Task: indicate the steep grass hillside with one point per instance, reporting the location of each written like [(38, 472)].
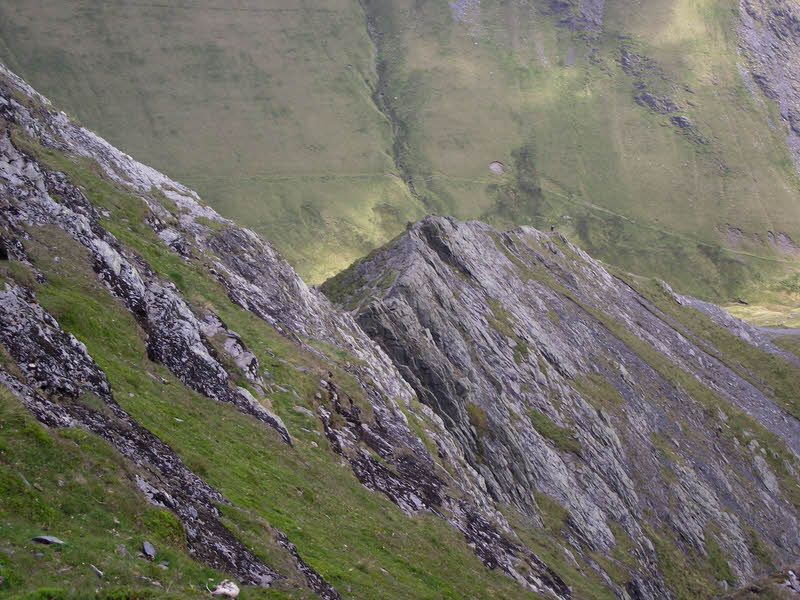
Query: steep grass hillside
[(88, 484), (640, 131), (264, 107), (506, 419), (632, 131)]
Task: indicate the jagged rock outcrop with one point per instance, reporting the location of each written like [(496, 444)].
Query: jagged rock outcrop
[(174, 333), (553, 393), (414, 485), (56, 370), (191, 341), (558, 377)]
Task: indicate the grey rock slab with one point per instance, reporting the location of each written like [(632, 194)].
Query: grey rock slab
[(47, 539), (148, 550), (492, 327)]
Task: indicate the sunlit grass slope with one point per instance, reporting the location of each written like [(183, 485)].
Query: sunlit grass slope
[(556, 106), (289, 118), (264, 107)]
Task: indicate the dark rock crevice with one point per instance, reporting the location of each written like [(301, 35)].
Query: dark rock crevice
[(413, 486)]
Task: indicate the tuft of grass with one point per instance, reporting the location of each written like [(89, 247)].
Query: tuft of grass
[(548, 543), (720, 567), (502, 322), (680, 570), (665, 449), (478, 419), (16, 272), (598, 390), (758, 549), (560, 436)]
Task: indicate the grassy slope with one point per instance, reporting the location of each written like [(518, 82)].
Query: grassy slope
[(359, 541), (486, 89), (83, 496), (264, 108), (256, 107)]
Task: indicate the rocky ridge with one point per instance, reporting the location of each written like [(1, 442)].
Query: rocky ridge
[(198, 348), (558, 377), (548, 385)]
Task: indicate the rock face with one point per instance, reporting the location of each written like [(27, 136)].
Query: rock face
[(199, 348), (559, 378), (555, 396), (583, 15), (769, 34)]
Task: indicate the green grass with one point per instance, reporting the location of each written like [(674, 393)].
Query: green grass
[(689, 574), (358, 540), (310, 161), (79, 489), (790, 343), (718, 561), (478, 419), (682, 571), (599, 391), (560, 436), (547, 542)]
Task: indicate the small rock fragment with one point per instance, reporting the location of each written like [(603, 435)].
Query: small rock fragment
[(303, 411), (226, 588), (148, 550), (163, 565), (151, 581), (97, 571), (47, 539)]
